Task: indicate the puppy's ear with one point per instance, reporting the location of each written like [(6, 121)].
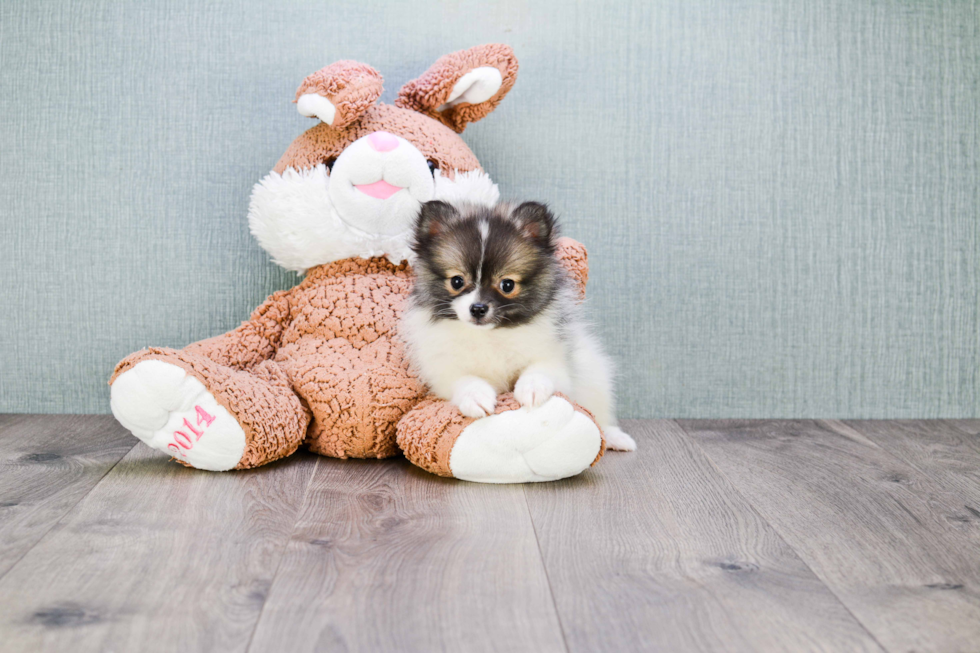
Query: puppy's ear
[(462, 87), (537, 223), (433, 219), (340, 93)]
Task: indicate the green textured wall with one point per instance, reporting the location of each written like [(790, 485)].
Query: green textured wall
[(781, 199)]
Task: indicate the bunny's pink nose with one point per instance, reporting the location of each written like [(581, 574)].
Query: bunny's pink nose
[(383, 141)]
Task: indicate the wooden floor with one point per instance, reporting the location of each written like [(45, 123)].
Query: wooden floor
[(714, 536)]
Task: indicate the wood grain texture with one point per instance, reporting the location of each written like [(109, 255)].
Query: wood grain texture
[(946, 452), (156, 557), (47, 464), (968, 426), (901, 552), (388, 558), (656, 551), (723, 536)]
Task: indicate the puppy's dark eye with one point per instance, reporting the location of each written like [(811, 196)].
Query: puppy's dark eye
[(433, 166), (457, 282), (507, 286), (329, 163)]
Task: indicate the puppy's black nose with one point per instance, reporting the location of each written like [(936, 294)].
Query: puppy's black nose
[(478, 310)]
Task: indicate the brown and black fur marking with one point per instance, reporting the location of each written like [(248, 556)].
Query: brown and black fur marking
[(487, 246)]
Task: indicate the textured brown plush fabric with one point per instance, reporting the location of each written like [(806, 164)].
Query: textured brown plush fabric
[(344, 358), (350, 86), (354, 87), (427, 434), (434, 140), (322, 362), (575, 260), (430, 91), (261, 399), (254, 341)]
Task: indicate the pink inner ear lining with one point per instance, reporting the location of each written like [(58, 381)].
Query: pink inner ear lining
[(430, 91), (351, 86)]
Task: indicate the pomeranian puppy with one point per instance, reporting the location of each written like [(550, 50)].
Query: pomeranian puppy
[(492, 311)]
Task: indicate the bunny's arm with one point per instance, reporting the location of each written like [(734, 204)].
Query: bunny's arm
[(254, 341), (575, 259)]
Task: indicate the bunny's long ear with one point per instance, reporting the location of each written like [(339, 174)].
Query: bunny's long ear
[(462, 87), (340, 93)]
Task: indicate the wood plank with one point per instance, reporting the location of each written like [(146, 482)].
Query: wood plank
[(656, 551), (156, 557), (943, 451), (968, 426), (8, 419), (47, 464), (389, 558), (889, 541)]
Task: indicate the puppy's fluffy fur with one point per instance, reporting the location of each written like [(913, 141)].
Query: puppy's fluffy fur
[(493, 311)]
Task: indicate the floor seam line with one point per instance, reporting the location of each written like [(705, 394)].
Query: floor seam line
[(947, 495), (779, 534), (544, 567), (285, 545), (67, 512)]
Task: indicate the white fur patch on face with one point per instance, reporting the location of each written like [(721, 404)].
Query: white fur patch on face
[(461, 306), (361, 166), (294, 218)]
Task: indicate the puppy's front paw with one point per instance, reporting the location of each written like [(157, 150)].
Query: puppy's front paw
[(474, 397), (533, 389)]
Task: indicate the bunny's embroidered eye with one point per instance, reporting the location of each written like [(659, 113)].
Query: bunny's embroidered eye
[(457, 282), (433, 166)]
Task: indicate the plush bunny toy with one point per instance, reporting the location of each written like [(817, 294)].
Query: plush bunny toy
[(321, 363)]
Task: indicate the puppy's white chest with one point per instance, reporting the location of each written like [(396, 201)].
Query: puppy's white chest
[(452, 350)]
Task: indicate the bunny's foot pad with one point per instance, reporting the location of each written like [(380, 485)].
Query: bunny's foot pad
[(173, 412), (514, 445)]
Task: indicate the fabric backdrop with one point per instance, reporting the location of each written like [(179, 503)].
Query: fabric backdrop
[(780, 199)]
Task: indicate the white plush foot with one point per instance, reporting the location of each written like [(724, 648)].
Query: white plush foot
[(533, 389), (173, 412), (474, 397), (519, 446), (617, 439)]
